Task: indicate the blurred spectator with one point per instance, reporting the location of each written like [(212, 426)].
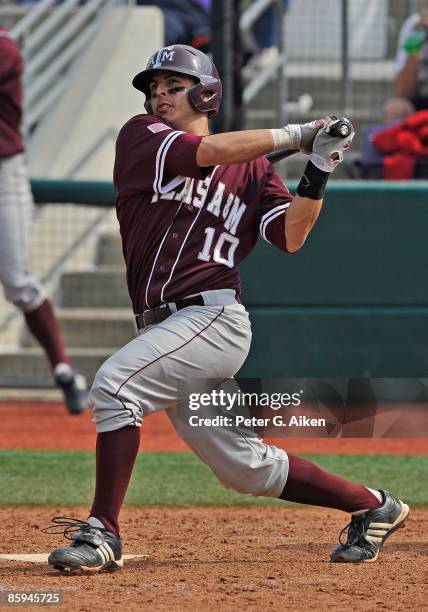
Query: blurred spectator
[(16, 209), (411, 64), (395, 111), (187, 22), (265, 38), (405, 148)]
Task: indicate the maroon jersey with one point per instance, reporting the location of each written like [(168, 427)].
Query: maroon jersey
[(10, 96), (185, 228)]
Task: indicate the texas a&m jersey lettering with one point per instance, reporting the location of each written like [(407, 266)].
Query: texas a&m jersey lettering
[(225, 206), (229, 207), (185, 228)]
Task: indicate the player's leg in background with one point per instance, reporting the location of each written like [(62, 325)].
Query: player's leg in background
[(20, 286)]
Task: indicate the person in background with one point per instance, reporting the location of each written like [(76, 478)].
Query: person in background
[(411, 63), (395, 111), (16, 210), (187, 22), (264, 33)]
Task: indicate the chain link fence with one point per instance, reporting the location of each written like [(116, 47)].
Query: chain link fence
[(339, 58)]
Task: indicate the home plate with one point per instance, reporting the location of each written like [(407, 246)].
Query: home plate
[(43, 557)]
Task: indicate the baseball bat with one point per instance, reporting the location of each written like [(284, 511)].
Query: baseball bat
[(341, 129)]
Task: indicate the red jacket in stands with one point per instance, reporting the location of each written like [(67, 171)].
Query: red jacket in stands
[(403, 145)]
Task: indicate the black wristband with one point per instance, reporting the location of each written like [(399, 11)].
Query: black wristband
[(313, 182)]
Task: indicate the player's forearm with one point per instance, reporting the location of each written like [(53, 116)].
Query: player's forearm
[(234, 147), (299, 220), (305, 207), (406, 80)]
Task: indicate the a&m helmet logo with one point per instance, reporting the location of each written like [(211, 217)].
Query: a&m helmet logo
[(166, 54)]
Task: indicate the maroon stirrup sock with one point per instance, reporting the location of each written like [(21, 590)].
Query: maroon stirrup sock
[(44, 326), (309, 484), (115, 457)]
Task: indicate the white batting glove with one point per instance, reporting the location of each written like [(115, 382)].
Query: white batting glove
[(308, 134), (327, 149), (298, 136)]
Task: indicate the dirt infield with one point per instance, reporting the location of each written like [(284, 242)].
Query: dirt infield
[(234, 559), (39, 425), (218, 559)]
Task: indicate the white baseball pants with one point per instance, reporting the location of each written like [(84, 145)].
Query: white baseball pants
[(16, 212), (197, 342)]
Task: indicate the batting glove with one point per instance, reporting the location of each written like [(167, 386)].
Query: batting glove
[(297, 136), (328, 149), (308, 134)]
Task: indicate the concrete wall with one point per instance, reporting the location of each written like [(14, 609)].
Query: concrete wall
[(78, 137)]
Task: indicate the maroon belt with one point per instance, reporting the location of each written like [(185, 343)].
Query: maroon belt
[(156, 315)]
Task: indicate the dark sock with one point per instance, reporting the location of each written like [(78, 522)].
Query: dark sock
[(44, 326), (115, 457), (309, 484)]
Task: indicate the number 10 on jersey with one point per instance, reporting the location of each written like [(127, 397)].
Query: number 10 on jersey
[(225, 242)]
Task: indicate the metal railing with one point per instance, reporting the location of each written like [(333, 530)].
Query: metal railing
[(52, 39)]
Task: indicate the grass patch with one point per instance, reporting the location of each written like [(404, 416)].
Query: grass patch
[(180, 479)]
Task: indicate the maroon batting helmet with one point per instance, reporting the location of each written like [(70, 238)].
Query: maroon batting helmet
[(204, 96)]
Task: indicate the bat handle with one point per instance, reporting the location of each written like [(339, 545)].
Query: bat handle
[(341, 129)]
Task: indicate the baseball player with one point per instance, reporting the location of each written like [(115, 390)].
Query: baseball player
[(191, 206), (16, 210)]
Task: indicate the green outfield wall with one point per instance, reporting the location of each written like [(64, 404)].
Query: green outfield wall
[(353, 302)]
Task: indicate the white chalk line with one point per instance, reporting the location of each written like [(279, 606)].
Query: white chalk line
[(43, 557)]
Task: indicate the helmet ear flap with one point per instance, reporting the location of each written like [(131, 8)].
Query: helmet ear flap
[(209, 104), (193, 95)]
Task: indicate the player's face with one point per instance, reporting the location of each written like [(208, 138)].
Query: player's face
[(168, 96)]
